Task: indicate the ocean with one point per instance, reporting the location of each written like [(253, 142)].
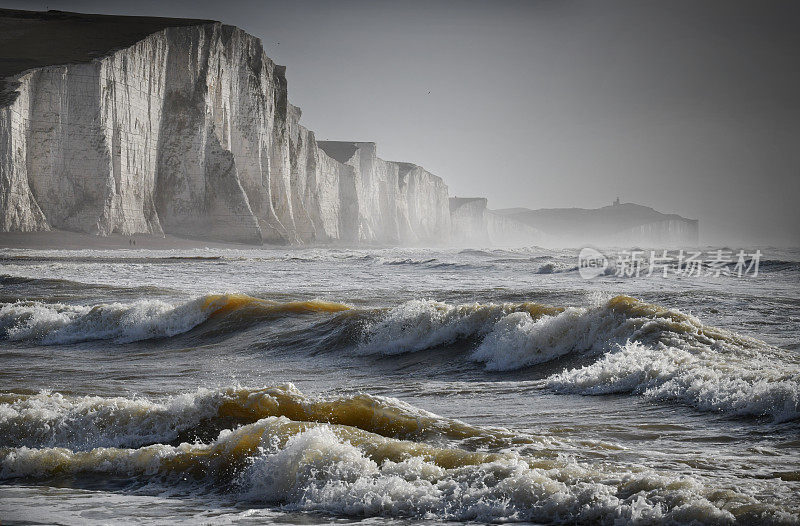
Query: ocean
[(394, 386)]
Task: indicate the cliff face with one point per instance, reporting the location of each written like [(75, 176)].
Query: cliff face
[(468, 216), (474, 224), (667, 232), (389, 202), (189, 131)]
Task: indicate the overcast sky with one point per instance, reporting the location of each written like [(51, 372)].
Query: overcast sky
[(688, 106)]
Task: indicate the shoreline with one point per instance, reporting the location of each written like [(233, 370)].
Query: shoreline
[(60, 239), (65, 240)]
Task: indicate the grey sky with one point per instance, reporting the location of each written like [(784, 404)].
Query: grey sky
[(688, 106)]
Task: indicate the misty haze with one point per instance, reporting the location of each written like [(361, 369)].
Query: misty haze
[(415, 262)]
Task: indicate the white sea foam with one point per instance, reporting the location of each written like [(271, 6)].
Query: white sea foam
[(52, 419), (512, 336), (743, 382), (319, 471), (518, 340), (54, 323), (352, 473)]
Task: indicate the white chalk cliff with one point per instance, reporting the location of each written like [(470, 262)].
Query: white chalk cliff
[(142, 125), (473, 223), (186, 129)]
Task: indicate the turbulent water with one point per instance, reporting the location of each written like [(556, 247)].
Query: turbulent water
[(394, 386)]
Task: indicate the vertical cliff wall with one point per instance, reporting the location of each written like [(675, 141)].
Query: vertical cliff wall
[(389, 202), (189, 131), (469, 224), (669, 232), (474, 224)]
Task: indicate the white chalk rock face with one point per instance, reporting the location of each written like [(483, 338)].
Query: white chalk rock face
[(469, 221), (386, 202), (189, 132), (19, 210), (86, 130), (473, 224)]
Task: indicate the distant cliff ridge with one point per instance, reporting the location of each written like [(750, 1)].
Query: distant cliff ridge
[(141, 125), (617, 224)]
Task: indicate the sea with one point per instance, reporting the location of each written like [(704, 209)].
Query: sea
[(397, 386)]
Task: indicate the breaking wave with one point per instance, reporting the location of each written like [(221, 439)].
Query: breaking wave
[(741, 383), (514, 335), (55, 323), (640, 348), (51, 419), (354, 457)]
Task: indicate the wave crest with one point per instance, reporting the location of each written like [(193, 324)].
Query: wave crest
[(512, 336), (640, 348), (56, 323), (636, 347), (422, 324), (741, 384), (52, 419)]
